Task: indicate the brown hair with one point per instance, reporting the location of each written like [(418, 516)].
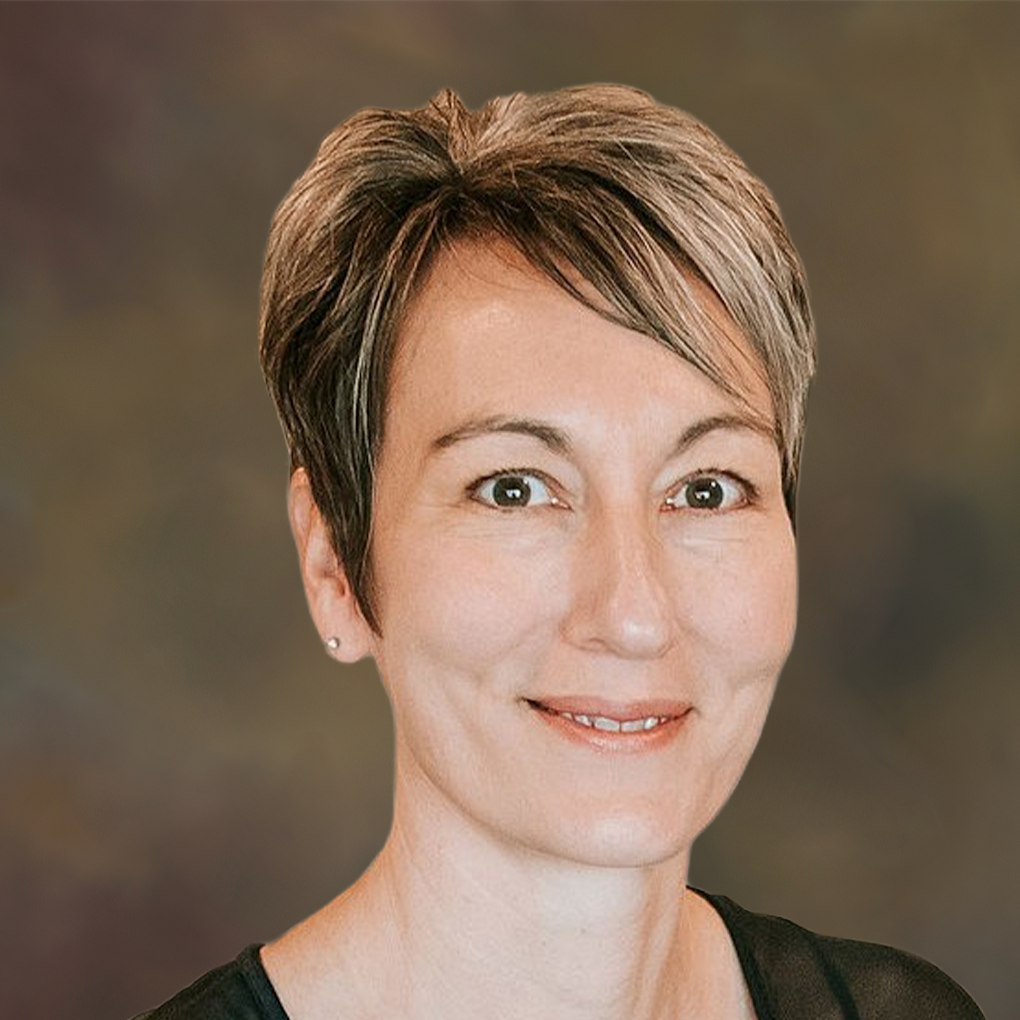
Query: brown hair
[(596, 182)]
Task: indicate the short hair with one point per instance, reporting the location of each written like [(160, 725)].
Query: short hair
[(598, 184)]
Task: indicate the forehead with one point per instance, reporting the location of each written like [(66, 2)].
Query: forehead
[(486, 321)]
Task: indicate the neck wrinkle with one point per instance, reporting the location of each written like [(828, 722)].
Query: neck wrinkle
[(484, 925)]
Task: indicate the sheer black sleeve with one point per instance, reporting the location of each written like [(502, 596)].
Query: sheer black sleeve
[(239, 990), (794, 974)]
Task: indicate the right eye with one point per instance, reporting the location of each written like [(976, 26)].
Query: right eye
[(513, 489)]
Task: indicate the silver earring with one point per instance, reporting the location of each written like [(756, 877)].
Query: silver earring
[(333, 643)]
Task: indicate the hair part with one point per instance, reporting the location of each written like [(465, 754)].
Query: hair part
[(598, 184)]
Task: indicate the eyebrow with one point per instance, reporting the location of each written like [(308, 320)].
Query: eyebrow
[(559, 442)]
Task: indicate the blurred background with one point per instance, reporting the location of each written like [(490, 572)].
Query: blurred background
[(182, 769)]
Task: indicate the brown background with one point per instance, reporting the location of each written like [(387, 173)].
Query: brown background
[(182, 771)]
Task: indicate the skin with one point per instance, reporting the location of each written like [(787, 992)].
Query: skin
[(537, 867)]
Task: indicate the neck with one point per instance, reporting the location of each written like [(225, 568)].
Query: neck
[(571, 940), (453, 921)]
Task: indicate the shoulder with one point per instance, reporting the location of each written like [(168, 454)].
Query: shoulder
[(895, 983), (239, 990), (842, 977)]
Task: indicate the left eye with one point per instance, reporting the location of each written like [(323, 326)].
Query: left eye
[(513, 489), (708, 492)]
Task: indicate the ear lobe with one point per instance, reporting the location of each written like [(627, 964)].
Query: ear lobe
[(331, 600)]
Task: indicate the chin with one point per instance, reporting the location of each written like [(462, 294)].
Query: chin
[(626, 840)]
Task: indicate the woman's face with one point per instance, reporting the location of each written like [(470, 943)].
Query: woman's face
[(585, 571)]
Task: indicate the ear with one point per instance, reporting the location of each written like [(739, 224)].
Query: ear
[(330, 598)]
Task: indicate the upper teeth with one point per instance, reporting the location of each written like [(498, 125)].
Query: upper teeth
[(600, 722)]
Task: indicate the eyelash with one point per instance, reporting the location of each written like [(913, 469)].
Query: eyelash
[(522, 472), (749, 491)]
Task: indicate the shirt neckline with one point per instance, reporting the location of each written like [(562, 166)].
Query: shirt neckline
[(258, 981)]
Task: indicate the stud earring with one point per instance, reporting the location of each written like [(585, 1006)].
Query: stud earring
[(333, 643)]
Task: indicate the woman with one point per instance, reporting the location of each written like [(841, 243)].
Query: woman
[(542, 371)]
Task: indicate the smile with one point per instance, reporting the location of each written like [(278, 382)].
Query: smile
[(600, 722), (607, 724)]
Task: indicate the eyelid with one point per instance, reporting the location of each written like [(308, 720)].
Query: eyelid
[(554, 499), (749, 491)]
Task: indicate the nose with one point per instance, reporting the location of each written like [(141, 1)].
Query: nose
[(621, 602)]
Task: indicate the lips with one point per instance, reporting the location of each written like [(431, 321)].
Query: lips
[(600, 719)]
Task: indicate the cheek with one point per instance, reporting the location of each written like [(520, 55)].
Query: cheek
[(738, 642), (741, 608), (471, 605)]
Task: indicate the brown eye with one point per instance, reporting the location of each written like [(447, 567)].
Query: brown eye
[(514, 490), (709, 492), (704, 494), (511, 490)]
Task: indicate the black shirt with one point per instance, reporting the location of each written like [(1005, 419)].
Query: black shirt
[(792, 974)]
